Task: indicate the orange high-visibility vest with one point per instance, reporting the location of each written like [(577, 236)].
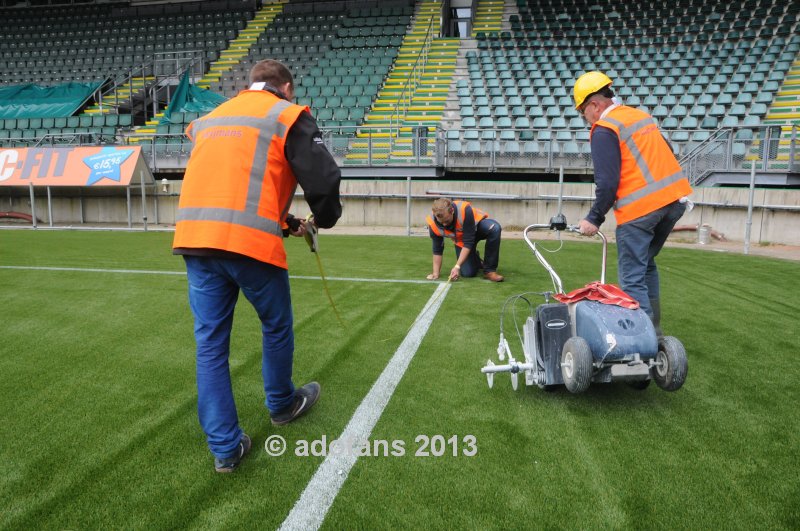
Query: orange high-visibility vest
[(238, 185), (458, 234), (650, 176)]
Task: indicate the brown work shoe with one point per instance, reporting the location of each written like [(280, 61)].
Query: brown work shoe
[(493, 276)]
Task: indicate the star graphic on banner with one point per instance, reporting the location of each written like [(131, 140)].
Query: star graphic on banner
[(106, 164)]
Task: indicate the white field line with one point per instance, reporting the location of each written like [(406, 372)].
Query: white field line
[(310, 509), (150, 272), (93, 270)]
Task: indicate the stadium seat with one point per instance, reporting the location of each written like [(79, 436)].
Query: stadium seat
[(709, 122)]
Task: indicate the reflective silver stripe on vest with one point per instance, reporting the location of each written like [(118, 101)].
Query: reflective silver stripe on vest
[(234, 217), (626, 136), (649, 189), (259, 167), (267, 127)]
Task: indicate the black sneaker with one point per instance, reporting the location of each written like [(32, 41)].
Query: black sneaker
[(229, 464), (304, 398)]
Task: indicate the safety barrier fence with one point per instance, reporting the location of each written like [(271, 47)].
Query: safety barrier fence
[(763, 148), (768, 148), (405, 203)]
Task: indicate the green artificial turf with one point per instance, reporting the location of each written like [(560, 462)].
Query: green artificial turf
[(99, 425)]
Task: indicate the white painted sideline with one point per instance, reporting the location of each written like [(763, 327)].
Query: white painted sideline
[(92, 270), (310, 509), (150, 272)]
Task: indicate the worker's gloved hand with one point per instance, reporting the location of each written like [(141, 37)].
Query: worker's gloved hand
[(297, 226)]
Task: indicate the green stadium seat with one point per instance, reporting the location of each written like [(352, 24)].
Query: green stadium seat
[(737, 110), (725, 99), (324, 114), (660, 112), (670, 122), (751, 121), (679, 136), (716, 111), (689, 122)]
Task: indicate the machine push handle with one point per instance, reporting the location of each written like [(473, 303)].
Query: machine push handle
[(576, 230)]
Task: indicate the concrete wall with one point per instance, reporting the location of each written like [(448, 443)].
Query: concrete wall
[(383, 203)]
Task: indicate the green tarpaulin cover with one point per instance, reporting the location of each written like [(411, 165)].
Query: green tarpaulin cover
[(34, 101), (191, 98)]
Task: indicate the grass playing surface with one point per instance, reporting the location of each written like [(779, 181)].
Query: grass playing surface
[(98, 398)]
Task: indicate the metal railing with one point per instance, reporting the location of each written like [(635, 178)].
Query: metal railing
[(736, 149), (767, 148), (146, 79)]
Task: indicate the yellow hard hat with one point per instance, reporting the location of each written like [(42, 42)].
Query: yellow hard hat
[(589, 83)]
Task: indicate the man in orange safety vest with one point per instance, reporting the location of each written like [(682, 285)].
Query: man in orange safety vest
[(249, 155), (636, 173)]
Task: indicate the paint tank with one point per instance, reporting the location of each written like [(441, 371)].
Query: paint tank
[(615, 333)]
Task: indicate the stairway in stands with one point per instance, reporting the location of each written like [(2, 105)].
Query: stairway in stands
[(121, 96), (488, 17), (241, 45), (238, 48), (392, 126), (784, 112)]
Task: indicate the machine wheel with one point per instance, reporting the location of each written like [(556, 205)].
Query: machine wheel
[(640, 385), (576, 364), (670, 373)]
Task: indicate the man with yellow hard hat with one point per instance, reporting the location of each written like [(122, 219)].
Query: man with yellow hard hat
[(636, 173)]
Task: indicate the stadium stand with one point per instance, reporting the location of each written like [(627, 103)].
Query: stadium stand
[(411, 102), (120, 46), (686, 64), (339, 59), (389, 90)]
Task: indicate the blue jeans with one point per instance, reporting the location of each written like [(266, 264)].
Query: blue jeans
[(214, 285), (489, 230), (638, 243)]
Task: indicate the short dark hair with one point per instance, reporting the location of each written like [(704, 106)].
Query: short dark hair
[(606, 92), (271, 72)]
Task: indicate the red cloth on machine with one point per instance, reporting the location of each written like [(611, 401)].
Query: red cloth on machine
[(595, 291)]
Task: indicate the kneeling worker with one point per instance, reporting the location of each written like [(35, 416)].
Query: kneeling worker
[(466, 226)]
